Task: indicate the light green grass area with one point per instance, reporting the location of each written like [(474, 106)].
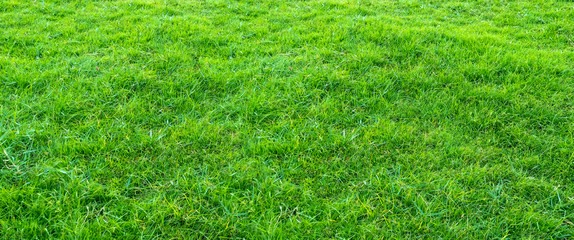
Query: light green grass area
[(267, 119)]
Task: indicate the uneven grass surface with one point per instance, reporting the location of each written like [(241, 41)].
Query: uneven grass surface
[(342, 119)]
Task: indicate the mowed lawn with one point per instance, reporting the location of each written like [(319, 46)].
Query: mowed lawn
[(268, 119)]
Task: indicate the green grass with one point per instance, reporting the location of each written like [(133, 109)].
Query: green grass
[(264, 119)]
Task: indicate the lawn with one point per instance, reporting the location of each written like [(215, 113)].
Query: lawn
[(302, 119)]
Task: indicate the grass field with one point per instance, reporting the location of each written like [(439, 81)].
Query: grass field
[(337, 119)]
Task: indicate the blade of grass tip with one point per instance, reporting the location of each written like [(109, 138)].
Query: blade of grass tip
[(398, 79), (3, 137), (129, 181)]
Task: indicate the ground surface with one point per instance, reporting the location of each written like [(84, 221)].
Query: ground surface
[(286, 119)]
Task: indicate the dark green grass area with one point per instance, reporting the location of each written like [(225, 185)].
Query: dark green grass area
[(340, 119)]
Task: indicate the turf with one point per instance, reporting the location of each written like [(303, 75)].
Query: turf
[(336, 119)]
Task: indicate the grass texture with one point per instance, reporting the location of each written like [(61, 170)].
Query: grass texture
[(265, 119)]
